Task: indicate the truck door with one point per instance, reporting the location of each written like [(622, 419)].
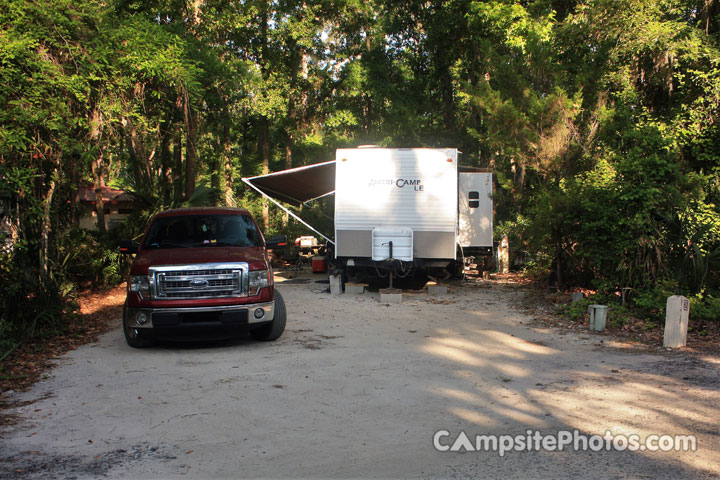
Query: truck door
[(475, 215)]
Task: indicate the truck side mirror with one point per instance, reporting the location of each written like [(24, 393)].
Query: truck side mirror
[(276, 241), (128, 247)]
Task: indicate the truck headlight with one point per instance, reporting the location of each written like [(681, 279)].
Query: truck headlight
[(259, 279), (140, 284)]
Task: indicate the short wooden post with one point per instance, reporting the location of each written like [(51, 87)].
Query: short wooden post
[(676, 321), (504, 255)]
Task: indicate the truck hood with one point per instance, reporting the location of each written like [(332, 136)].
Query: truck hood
[(254, 256)]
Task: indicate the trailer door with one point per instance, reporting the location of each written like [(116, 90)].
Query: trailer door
[(475, 215)]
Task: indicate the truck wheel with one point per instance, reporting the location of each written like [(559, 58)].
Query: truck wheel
[(135, 337), (273, 330)]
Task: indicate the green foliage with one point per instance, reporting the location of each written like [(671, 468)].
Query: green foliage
[(618, 315), (576, 311), (90, 258), (705, 307), (30, 306)]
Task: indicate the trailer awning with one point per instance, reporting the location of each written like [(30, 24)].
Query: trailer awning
[(297, 185), (303, 184)]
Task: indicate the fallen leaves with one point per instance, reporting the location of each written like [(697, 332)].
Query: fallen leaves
[(100, 310)]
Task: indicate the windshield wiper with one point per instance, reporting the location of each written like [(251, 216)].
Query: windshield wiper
[(169, 245), (221, 244)]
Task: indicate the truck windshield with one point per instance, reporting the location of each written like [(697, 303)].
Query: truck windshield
[(189, 231)]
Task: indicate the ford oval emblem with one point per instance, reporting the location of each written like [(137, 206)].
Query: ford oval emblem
[(199, 283)]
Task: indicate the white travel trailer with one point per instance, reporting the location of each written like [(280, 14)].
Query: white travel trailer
[(409, 211)]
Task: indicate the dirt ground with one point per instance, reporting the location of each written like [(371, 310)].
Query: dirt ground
[(358, 388)]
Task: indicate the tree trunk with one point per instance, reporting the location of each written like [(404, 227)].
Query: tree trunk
[(45, 227), (288, 150), (190, 148), (304, 87), (99, 183), (264, 122), (177, 178), (265, 152), (139, 159), (215, 173), (292, 125), (227, 157), (166, 169), (75, 199), (448, 100), (707, 14), (559, 262)]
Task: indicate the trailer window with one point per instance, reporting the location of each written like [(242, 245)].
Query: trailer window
[(474, 199)]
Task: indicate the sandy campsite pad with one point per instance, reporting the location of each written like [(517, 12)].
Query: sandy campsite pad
[(358, 388)]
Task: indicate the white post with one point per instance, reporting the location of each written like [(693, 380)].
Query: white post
[(676, 321), (504, 255)]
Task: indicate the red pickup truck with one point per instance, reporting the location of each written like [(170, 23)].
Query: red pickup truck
[(199, 271)]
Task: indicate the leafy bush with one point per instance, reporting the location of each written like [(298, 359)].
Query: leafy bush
[(90, 257), (705, 307), (34, 304), (651, 303), (538, 268), (30, 305), (576, 311), (617, 315)]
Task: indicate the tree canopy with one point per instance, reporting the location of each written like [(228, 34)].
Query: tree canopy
[(599, 118)]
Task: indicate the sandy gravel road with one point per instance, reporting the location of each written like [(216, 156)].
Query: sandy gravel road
[(356, 388)]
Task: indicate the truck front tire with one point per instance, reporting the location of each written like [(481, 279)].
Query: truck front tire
[(135, 337), (274, 329)]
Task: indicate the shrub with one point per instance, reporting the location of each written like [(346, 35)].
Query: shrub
[(705, 307), (90, 257), (618, 315), (651, 303), (575, 311), (30, 305)]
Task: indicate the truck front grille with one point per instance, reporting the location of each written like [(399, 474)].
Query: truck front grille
[(199, 281)]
